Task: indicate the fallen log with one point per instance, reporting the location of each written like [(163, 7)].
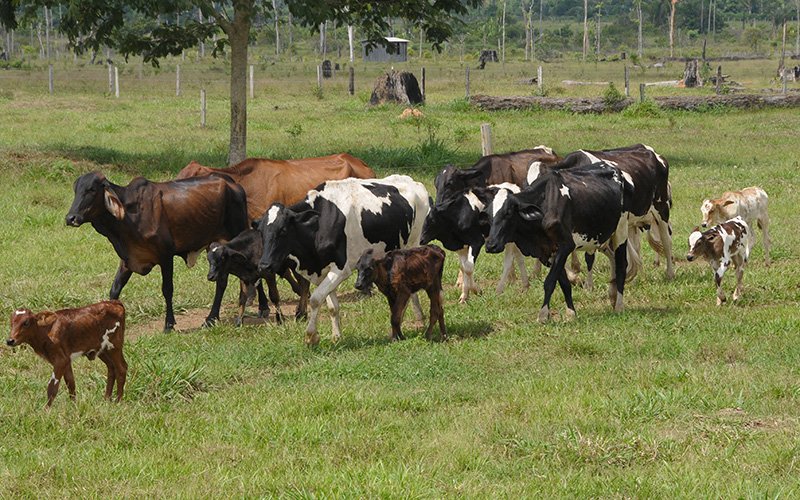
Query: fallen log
[(599, 105), (573, 82)]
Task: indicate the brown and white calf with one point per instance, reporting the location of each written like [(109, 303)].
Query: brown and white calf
[(400, 273), (97, 330), (750, 204), (722, 245)]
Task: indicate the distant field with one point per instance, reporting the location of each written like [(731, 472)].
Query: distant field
[(674, 398)]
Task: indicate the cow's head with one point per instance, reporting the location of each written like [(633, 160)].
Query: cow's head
[(703, 244), (452, 181), (714, 212), (279, 228), (366, 270), (218, 258), (25, 325), (506, 216), (93, 195)]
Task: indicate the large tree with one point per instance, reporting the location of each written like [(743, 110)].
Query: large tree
[(91, 24)]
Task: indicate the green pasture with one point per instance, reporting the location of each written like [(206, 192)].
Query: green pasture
[(674, 398)]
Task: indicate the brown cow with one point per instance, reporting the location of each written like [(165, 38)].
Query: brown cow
[(94, 331), (148, 223), (269, 181), (286, 181), (400, 273)]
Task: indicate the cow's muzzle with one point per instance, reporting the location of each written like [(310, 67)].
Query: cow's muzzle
[(690, 258), (10, 342), (74, 220)]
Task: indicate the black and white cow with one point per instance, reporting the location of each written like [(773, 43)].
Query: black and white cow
[(648, 171), (563, 210), (324, 235), (457, 223)]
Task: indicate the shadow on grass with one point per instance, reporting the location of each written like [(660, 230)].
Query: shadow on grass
[(168, 161)]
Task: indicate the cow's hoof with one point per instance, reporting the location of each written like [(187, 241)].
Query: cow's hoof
[(720, 301), (312, 339), (544, 315), (300, 316), (209, 322), (239, 322), (169, 328), (263, 313)]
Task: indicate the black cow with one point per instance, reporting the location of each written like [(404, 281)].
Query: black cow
[(650, 206), (491, 169), (240, 257), (563, 210), (148, 223), (324, 235), (457, 223)]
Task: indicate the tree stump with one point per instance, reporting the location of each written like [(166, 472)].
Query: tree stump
[(691, 75), (396, 86), (326, 69)]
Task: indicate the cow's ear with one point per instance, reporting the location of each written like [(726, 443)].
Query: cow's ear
[(114, 205), (255, 223), (469, 175), (484, 220), (239, 257), (307, 217), (729, 202), (46, 318), (695, 230), (530, 212)]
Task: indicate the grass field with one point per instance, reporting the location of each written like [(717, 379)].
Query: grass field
[(674, 398)]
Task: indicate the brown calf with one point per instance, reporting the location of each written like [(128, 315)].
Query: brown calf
[(400, 273), (97, 330), (722, 245)]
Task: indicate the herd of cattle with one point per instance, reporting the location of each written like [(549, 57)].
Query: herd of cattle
[(320, 219)]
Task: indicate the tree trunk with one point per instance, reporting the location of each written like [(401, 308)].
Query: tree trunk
[(238, 32), (277, 31), (350, 36), (671, 25), (526, 24), (585, 28), (639, 12)]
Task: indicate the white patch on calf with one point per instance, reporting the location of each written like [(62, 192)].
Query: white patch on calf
[(18, 312), (499, 201), (272, 214), (564, 191), (53, 379), (473, 201), (106, 345), (693, 239), (534, 169), (545, 149)]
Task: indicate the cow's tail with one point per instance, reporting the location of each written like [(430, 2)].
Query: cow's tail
[(634, 254)]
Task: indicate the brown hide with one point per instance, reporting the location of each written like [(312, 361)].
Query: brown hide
[(268, 181), (96, 330)]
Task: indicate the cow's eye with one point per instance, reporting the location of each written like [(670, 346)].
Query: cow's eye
[(283, 231), (26, 324)]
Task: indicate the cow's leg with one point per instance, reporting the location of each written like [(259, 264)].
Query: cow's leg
[(523, 273), (290, 276), (213, 314), (508, 266), (105, 357), (537, 267), (274, 297), (616, 288), (333, 307), (398, 307), (589, 283), (120, 280), (325, 288), (419, 316), (764, 221), (718, 273), (739, 263), (575, 262), (550, 282), (566, 289), (302, 305), (665, 234), (167, 290), (59, 369), (120, 370), (436, 297), (244, 292), (467, 259)]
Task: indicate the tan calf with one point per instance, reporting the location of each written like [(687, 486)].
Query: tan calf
[(97, 330), (750, 204)]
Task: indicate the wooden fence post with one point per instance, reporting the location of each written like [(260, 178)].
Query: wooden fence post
[(50, 77), (110, 77), (178, 83), (486, 139), (627, 83), (719, 79), (203, 108), (423, 84), (116, 82), (252, 83), (319, 76), (641, 92), (352, 80), (539, 78), (467, 93), (785, 77)]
